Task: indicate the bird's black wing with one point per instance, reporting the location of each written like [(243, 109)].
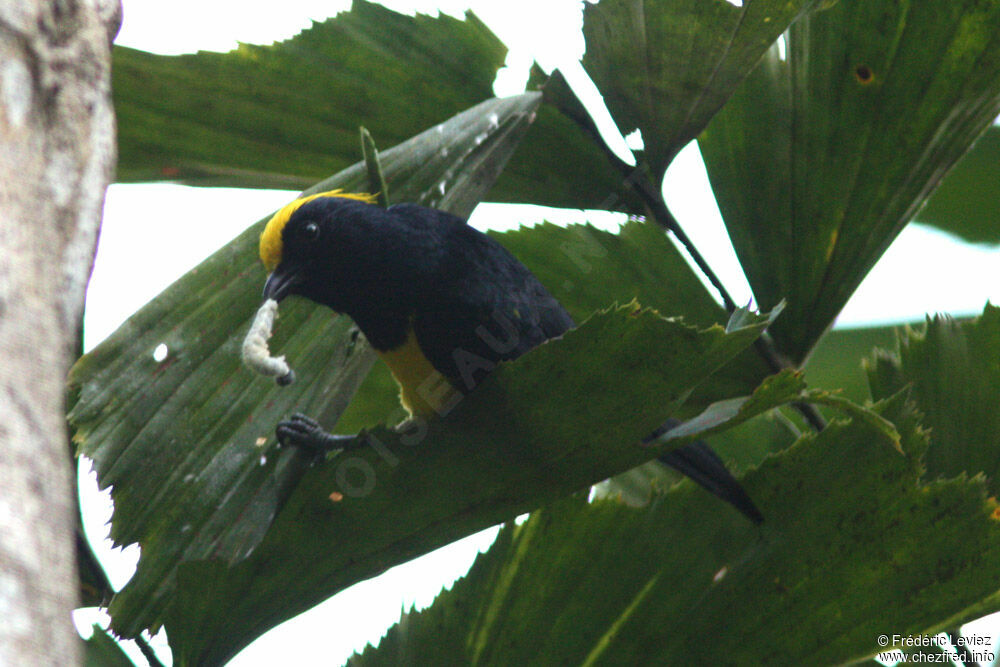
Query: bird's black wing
[(483, 307)]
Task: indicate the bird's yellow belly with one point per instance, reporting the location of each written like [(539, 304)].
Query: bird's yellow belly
[(423, 390)]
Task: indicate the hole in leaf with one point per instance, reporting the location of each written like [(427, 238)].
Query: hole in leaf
[(161, 352)]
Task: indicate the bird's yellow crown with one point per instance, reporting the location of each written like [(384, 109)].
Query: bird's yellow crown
[(270, 238)]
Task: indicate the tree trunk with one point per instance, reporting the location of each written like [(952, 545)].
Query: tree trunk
[(56, 159)]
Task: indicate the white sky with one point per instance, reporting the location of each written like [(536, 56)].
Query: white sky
[(925, 270)]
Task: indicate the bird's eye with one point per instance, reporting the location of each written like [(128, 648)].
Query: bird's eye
[(311, 231)]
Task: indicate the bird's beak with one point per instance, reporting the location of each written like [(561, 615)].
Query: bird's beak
[(282, 281)]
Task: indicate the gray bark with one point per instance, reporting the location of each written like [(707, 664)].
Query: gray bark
[(56, 159)]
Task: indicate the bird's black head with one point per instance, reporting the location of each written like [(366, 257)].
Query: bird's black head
[(316, 247)]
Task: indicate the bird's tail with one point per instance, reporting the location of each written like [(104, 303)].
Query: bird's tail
[(701, 464)]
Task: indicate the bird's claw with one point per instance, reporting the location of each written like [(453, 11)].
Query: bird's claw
[(306, 433)]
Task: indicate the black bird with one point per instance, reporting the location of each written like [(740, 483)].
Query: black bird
[(430, 294)]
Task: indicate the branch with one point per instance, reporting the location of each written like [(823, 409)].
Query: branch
[(147, 652), (765, 344), (558, 93)]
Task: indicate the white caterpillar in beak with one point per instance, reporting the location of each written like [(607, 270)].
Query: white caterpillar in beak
[(256, 356)]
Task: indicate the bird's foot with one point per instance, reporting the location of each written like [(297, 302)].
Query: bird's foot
[(306, 433)]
